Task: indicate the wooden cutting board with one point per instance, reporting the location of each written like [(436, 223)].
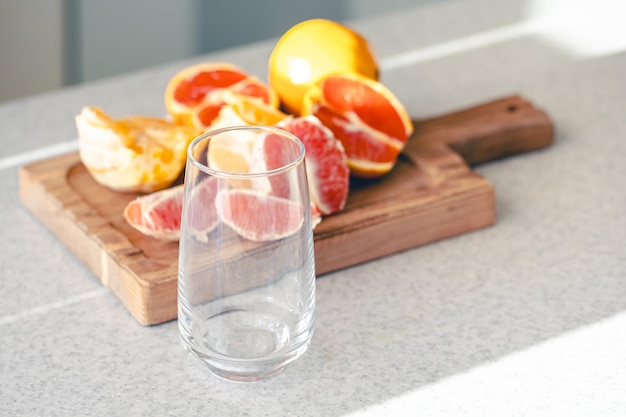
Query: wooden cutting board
[(431, 194)]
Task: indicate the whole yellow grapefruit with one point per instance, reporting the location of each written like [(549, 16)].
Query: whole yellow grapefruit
[(312, 49)]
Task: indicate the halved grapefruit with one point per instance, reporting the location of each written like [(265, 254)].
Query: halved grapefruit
[(365, 116), (195, 95)]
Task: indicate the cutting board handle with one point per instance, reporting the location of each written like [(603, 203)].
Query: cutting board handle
[(483, 133)]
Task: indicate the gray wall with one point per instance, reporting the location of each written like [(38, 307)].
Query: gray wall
[(45, 44), (31, 47)]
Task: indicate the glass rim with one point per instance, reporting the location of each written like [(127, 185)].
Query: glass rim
[(242, 175)]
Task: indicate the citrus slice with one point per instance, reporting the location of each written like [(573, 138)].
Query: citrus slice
[(201, 215), (158, 215), (258, 216), (312, 49), (136, 153), (253, 110), (230, 153), (327, 169), (195, 95), (316, 216), (365, 116), (270, 152)]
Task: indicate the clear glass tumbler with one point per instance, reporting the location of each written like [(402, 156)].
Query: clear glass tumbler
[(246, 273)]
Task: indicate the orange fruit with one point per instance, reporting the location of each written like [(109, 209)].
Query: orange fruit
[(158, 215), (327, 169), (258, 216), (195, 95), (312, 49), (135, 153), (365, 116)]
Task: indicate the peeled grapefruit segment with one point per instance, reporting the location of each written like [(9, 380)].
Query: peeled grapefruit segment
[(327, 169), (316, 216), (272, 152), (365, 116), (158, 215), (257, 216), (195, 95), (230, 153)]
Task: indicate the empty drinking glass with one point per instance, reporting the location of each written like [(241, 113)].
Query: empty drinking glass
[(246, 273)]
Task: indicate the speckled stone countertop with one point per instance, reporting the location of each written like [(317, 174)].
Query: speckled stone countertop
[(524, 318)]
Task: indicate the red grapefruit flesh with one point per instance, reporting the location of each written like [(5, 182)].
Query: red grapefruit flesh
[(193, 89), (272, 151), (201, 212), (326, 163), (258, 216), (365, 116), (195, 95), (316, 215), (158, 215)]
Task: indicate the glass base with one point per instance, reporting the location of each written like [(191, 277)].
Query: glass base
[(246, 370)]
